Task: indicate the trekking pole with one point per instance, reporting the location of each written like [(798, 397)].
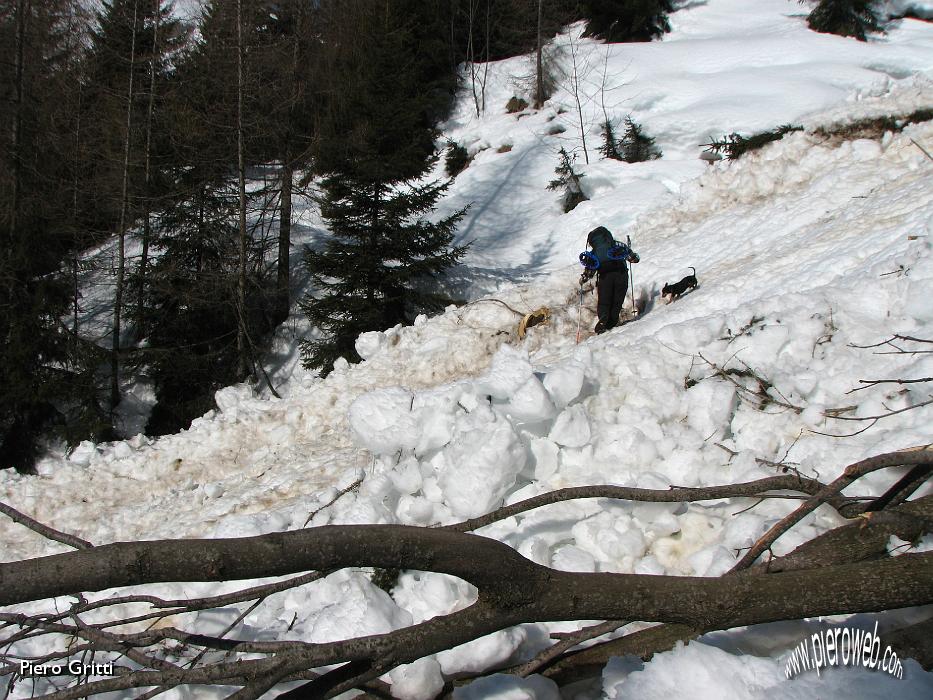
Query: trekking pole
[(631, 277), (579, 312)]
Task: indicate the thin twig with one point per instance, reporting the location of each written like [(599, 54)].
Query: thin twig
[(352, 487), (567, 641), (919, 455), (890, 341), (872, 382), (925, 151), (44, 530), (885, 415)]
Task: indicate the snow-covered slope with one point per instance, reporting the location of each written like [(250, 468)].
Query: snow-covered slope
[(806, 251), (727, 66)]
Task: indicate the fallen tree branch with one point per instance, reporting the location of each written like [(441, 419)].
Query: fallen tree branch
[(890, 341), (342, 492), (567, 641), (902, 489), (44, 530), (918, 456), (872, 420), (535, 593), (850, 543), (512, 589), (885, 415), (874, 382), (760, 488)]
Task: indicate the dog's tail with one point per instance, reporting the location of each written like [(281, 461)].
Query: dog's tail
[(694, 271)]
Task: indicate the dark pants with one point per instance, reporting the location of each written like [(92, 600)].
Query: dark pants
[(610, 288)]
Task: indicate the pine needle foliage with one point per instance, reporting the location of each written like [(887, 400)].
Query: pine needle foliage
[(627, 20), (734, 145), (637, 146), (568, 180), (610, 146), (855, 18), (381, 265)]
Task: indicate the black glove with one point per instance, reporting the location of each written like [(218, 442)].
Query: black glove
[(634, 257), (586, 277)]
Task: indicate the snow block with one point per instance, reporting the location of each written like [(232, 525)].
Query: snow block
[(480, 464)]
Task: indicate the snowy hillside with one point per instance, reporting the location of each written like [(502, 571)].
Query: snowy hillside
[(807, 251)]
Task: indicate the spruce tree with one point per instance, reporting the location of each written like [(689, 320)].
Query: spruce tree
[(191, 348), (610, 145), (568, 180), (381, 262), (626, 20), (46, 376), (200, 297), (636, 145), (854, 18), (380, 267)]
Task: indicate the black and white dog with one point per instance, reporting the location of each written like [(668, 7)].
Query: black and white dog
[(670, 292)]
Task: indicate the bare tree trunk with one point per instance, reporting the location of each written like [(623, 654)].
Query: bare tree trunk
[(486, 59), (575, 85), (471, 55), (147, 199), (124, 218), (22, 10), (241, 340), (285, 239), (539, 89), (76, 293), (479, 95), (283, 276)]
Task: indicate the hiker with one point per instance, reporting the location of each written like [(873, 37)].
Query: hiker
[(609, 261)]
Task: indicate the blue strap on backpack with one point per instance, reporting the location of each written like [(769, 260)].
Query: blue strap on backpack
[(619, 251), (589, 260)]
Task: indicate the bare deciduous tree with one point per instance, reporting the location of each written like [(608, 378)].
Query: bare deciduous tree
[(579, 68), (121, 231), (147, 195)]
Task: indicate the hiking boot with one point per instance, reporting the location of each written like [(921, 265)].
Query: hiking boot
[(600, 328)]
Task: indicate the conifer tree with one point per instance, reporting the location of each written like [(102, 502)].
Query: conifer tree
[(854, 18), (568, 180), (42, 370), (191, 348), (610, 145), (627, 20), (380, 265), (206, 299), (636, 145)]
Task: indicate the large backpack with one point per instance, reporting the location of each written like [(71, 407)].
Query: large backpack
[(609, 254)]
